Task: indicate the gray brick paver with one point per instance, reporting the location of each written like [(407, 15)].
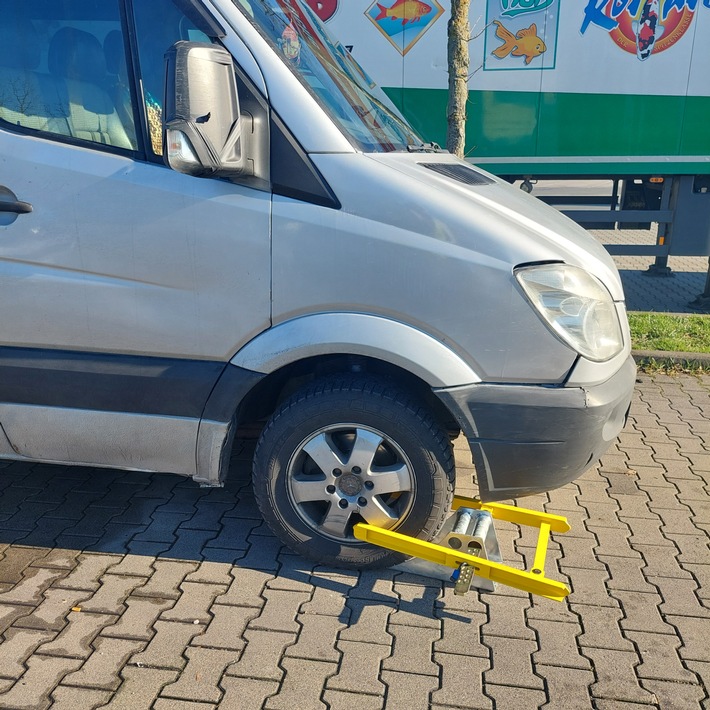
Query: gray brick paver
[(614, 543), (280, 611), (53, 611), (601, 628), (512, 663), (199, 680), (507, 617), (641, 612), (211, 573), (647, 532), (32, 691), (294, 574), (133, 566), (302, 686), (680, 597), (359, 668), (101, 670), (408, 690), (329, 595), (226, 627), (261, 656), (316, 639), (694, 633), (558, 644), (589, 587), (462, 635), (659, 657), (629, 574), (506, 696), (28, 591), (58, 558), (675, 696), (416, 605), (567, 688), (166, 580), (376, 586), (461, 681), (167, 648), (701, 574), (636, 505), (173, 704), (87, 574), (139, 688), (246, 588), (241, 694), (74, 641), (341, 700), (368, 622), (66, 698), (616, 677), (137, 622), (10, 615), (194, 603), (16, 647), (111, 596), (412, 650)]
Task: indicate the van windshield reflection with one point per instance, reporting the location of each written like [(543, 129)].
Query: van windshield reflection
[(326, 68)]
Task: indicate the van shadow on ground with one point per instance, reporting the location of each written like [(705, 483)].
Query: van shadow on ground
[(83, 509)]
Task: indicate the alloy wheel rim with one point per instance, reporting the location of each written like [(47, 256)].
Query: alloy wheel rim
[(346, 473)]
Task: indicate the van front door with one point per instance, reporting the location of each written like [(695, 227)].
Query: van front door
[(126, 286)]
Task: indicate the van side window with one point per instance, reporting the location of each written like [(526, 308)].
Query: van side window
[(159, 24), (63, 71)]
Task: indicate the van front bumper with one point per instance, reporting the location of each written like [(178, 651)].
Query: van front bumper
[(527, 439)]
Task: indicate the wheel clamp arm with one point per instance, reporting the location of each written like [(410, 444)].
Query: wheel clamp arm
[(467, 564)]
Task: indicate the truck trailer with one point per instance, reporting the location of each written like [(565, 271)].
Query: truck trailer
[(613, 89)]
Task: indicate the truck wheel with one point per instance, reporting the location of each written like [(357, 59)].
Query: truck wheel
[(347, 450)]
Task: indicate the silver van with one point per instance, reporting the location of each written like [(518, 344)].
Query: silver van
[(212, 222)]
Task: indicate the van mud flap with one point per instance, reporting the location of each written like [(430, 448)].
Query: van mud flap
[(468, 544)]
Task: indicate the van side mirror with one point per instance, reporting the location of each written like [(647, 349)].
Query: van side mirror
[(202, 132)]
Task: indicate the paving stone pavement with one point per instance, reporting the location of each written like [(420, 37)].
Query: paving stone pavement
[(655, 293), (121, 590)]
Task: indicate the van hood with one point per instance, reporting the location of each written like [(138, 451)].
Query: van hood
[(533, 230)]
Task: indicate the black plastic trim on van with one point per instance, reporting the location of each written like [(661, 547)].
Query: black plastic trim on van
[(292, 172), (122, 383)]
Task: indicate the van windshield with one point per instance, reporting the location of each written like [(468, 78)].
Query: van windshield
[(330, 73)]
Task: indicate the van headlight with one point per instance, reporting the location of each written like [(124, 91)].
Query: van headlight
[(576, 306)]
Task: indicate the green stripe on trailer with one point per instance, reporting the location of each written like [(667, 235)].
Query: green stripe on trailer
[(616, 134), (525, 167)]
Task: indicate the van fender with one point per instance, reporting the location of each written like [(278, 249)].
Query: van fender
[(356, 334)]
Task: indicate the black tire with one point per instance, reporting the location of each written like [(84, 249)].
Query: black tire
[(328, 417)]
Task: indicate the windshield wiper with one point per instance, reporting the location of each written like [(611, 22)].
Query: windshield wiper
[(425, 148)]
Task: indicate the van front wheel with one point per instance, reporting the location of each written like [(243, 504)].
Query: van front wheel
[(347, 450)]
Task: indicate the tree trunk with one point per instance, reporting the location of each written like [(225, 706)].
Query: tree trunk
[(458, 56)]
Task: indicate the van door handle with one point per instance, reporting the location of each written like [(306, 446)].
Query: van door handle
[(10, 203)]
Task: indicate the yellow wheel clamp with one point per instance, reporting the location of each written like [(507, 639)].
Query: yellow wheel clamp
[(468, 545)]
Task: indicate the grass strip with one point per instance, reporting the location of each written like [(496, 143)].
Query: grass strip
[(670, 333)]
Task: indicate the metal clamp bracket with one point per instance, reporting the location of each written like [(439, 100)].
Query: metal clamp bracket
[(470, 547)]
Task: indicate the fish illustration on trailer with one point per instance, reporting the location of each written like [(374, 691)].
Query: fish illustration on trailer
[(405, 10), (647, 29), (526, 43)]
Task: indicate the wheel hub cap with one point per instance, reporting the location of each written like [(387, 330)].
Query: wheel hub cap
[(350, 484)]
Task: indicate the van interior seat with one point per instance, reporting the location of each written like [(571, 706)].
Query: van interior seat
[(77, 58), (28, 98)]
